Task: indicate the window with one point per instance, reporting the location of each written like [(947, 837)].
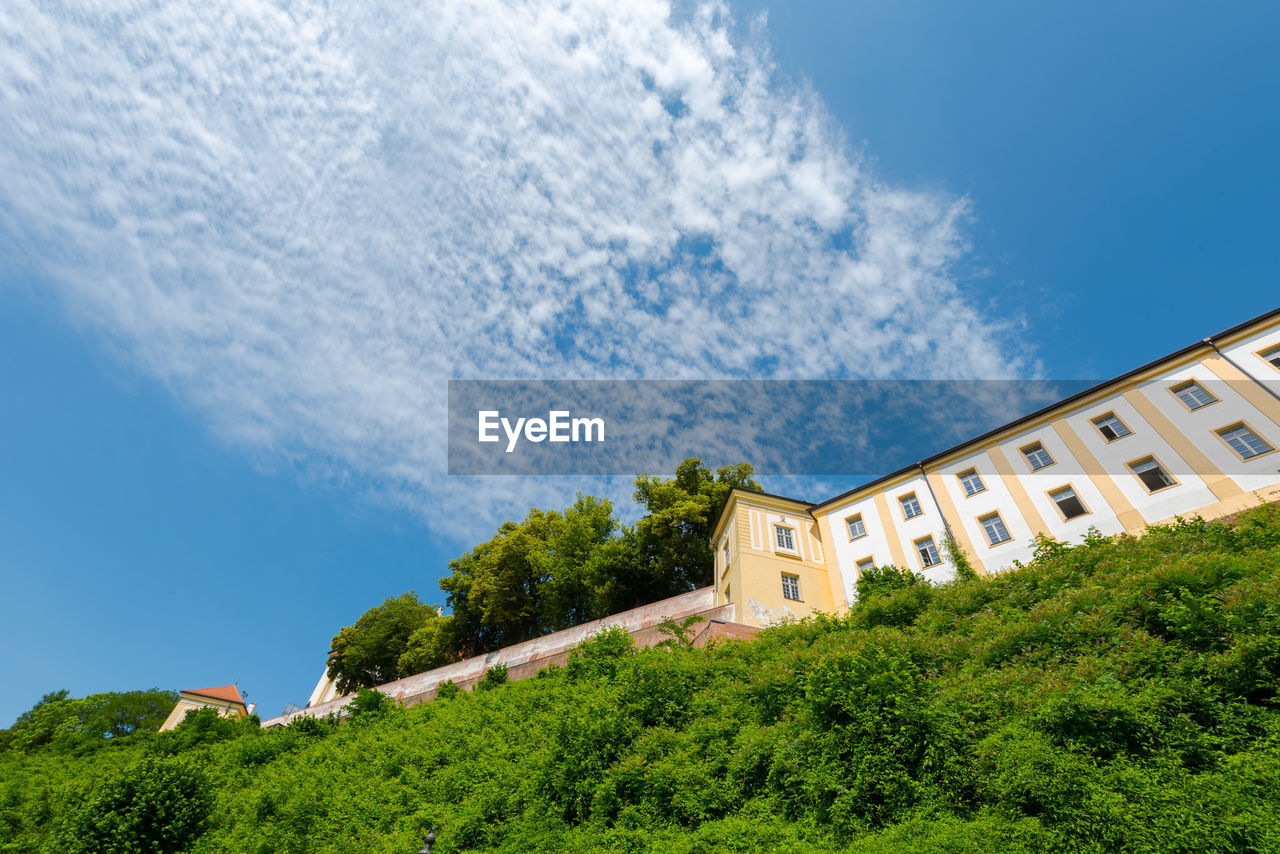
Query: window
[(1111, 427), (856, 528), (1069, 504), (928, 552), (866, 565), (910, 505), (1244, 441), (1272, 356), (791, 587), (1193, 395), (971, 482), (1037, 456), (1153, 477), (995, 530), (786, 538)]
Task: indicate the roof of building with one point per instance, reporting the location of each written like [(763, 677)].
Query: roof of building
[(226, 693), (1208, 341), (1094, 389)]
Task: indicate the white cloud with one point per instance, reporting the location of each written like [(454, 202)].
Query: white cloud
[(305, 217)]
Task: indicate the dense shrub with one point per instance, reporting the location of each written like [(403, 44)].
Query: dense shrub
[(158, 806), (1115, 695)]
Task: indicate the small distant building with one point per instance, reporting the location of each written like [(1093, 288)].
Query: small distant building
[(226, 700)]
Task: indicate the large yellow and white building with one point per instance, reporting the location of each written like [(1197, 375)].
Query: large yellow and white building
[(1193, 433)]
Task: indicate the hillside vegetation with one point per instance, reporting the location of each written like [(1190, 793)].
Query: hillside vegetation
[(1119, 695)]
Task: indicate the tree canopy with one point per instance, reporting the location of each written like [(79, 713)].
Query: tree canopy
[(76, 725), (368, 652), (549, 571)]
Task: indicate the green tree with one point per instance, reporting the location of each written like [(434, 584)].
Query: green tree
[(64, 723), (880, 580), (159, 806), (52, 697), (535, 576), (666, 552), (367, 653)]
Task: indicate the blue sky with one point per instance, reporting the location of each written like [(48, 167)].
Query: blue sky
[(239, 254)]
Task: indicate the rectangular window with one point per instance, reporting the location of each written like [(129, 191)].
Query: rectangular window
[(866, 565), (1111, 427), (856, 528), (1272, 356), (1244, 441), (1069, 504), (1037, 456), (994, 528), (910, 505), (1193, 395), (928, 551), (1151, 474), (972, 482), (786, 538), (791, 587)]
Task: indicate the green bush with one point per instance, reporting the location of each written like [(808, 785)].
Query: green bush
[(157, 805), (1115, 695)]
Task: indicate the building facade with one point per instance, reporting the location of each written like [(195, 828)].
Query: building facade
[(226, 700), (1193, 433)]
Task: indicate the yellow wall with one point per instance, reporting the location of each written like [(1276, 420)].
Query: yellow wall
[(187, 702)]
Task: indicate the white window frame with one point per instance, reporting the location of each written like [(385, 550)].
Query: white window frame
[(929, 554), (1032, 457), (1271, 355), (855, 519), (1187, 386), (790, 585), (1076, 495), (915, 501), (865, 564), (1237, 427), (1151, 458), (1109, 421), (778, 532), (964, 477), (985, 522)]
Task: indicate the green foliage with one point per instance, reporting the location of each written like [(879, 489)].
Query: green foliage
[(448, 690), (368, 703), (200, 727), (679, 632), (601, 655), (1116, 695), (958, 558), (881, 580), (553, 570), (158, 806), (368, 653), (494, 677), (66, 724), (666, 552)]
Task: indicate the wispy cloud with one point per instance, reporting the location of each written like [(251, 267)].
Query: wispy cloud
[(306, 217)]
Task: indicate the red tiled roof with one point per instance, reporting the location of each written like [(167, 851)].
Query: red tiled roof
[(227, 693)]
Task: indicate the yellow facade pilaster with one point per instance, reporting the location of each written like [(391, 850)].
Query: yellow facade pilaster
[(1219, 484), (891, 532), (949, 512), (1243, 385), (1124, 511), (1014, 485), (834, 579)]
